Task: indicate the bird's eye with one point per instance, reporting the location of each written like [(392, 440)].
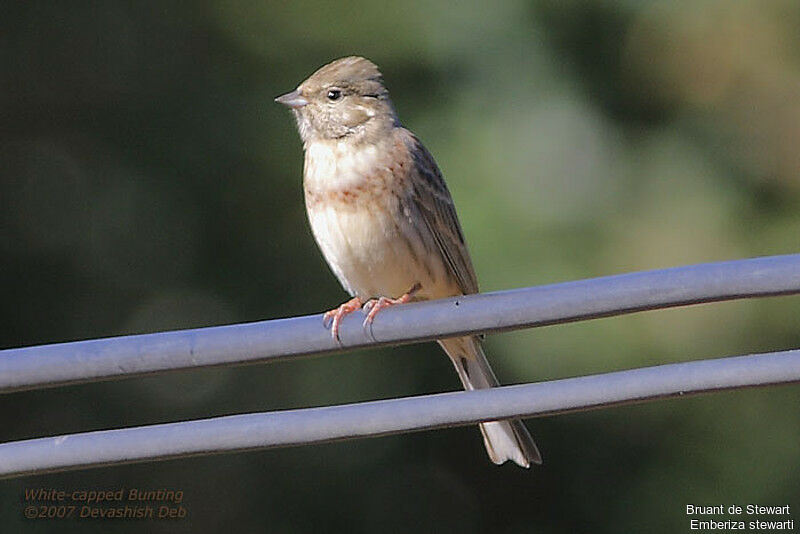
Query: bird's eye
[(334, 94)]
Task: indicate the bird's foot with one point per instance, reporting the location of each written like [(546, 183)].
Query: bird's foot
[(336, 315), (373, 306)]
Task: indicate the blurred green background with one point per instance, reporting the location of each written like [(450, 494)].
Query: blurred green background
[(150, 183)]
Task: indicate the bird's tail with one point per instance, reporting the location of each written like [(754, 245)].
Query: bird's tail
[(504, 440)]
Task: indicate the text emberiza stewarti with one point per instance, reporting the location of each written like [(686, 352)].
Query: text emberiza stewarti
[(384, 219)]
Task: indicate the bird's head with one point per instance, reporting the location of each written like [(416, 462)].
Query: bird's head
[(345, 98)]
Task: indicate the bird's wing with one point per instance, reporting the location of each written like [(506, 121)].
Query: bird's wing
[(431, 198)]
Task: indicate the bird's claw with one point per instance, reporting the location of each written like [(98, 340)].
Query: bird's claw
[(373, 306), (334, 317)]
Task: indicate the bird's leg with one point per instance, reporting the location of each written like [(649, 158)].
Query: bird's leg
[(373, 306), (337, 314)]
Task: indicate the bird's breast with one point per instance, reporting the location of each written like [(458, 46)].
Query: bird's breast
[(354, 204)]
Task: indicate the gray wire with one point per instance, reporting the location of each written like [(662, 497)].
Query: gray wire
[(83, 361), (317, 425)]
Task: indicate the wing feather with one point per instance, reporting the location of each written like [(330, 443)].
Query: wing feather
[(432, 200)]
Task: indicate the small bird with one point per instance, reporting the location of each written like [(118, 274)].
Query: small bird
[(385, 221)]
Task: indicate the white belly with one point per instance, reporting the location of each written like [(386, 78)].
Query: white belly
[(366, 251)]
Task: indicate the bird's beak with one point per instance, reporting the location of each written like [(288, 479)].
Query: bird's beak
[(294, 100)]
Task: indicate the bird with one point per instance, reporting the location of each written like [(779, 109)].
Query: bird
[(385, 221)]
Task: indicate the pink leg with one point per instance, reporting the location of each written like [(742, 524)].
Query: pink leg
[(373, 306), (337, 314)]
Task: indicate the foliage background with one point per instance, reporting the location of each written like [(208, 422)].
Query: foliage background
[(150, 183)]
